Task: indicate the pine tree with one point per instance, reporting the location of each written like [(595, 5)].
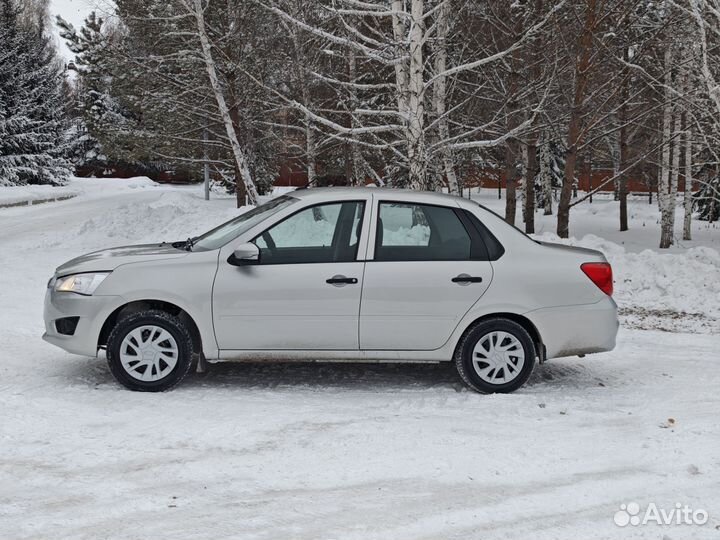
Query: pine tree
[(102, 119), (31, 103), (82, 149)]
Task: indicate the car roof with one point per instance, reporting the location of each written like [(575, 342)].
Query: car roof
[(329, 193)]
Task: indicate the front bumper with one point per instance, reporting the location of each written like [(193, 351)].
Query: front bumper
[(92, 311), (579, 329)]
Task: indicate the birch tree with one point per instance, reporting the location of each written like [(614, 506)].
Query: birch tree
[(687, 198), (667, 187), (413, 119), (440, 96), (197, 10)]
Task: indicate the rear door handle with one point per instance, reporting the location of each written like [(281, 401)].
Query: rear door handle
[(341, 280), (466, 278)]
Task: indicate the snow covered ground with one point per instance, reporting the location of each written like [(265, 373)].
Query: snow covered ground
[(340, 451), (672, 290), (19, 195), (600, 218)]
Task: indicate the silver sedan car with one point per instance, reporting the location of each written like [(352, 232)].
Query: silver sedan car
[(338, 274)]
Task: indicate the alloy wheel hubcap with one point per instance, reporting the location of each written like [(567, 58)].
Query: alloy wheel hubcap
[(498, 357), (148, 353)]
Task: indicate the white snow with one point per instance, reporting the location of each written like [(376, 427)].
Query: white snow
[(671, 291), (16, 195), (30, 194), (601, 219), (350, 451), (75, 12)]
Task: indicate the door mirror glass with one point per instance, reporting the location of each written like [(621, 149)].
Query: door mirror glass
[(247, 253)]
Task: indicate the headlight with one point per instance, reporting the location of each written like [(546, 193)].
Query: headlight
[(81, 283)]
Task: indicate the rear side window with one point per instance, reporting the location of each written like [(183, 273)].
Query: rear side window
[(417, 232)]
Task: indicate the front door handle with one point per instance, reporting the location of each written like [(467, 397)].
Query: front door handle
[(341, 280), (464, 279)]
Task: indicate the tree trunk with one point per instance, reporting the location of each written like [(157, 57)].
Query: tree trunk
[(241, 161), (310, 147), (415, 89), (240, 191), (531, 150), (529, 201), (582, 68), (310, 151), (356, 177), (675, 170), (563, 220), (512, 146), (687, 200), (665, 200), (510, 182), (440, 97), (546, 175), (622, 179), (401, 68)]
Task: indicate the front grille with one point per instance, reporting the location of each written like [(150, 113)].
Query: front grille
[(66, 325)]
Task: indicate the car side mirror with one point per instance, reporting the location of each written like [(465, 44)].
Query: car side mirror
[(243, 254)]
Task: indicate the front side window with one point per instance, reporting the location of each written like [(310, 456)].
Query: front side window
[(322, 233), (418, 232)]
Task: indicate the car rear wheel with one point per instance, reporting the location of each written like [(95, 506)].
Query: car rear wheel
[(495, 356), (149, 351)]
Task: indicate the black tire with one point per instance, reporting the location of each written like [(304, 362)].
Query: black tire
[(464, 355), (167, 322)]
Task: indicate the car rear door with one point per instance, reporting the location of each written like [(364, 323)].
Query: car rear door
[(426, 268), (304, 292)]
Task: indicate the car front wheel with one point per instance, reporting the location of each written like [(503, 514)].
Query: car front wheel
[(495, 356), (149, 351)]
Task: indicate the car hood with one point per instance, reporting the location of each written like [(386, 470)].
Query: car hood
[(110, 259)]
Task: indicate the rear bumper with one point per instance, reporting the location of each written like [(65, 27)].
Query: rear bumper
[(574, 330), (92, 311)]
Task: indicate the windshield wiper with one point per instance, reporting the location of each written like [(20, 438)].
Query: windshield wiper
[(189, 243)]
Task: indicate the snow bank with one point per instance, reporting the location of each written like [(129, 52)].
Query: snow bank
[(662, 290), (173, 216), (102, 185), (16, 195)]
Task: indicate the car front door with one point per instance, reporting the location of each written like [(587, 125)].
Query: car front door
[(303, 293), (428, 268)]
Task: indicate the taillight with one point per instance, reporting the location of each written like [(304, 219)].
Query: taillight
[(600, 274)]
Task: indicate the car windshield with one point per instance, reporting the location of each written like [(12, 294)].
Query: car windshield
[(221, 235)]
